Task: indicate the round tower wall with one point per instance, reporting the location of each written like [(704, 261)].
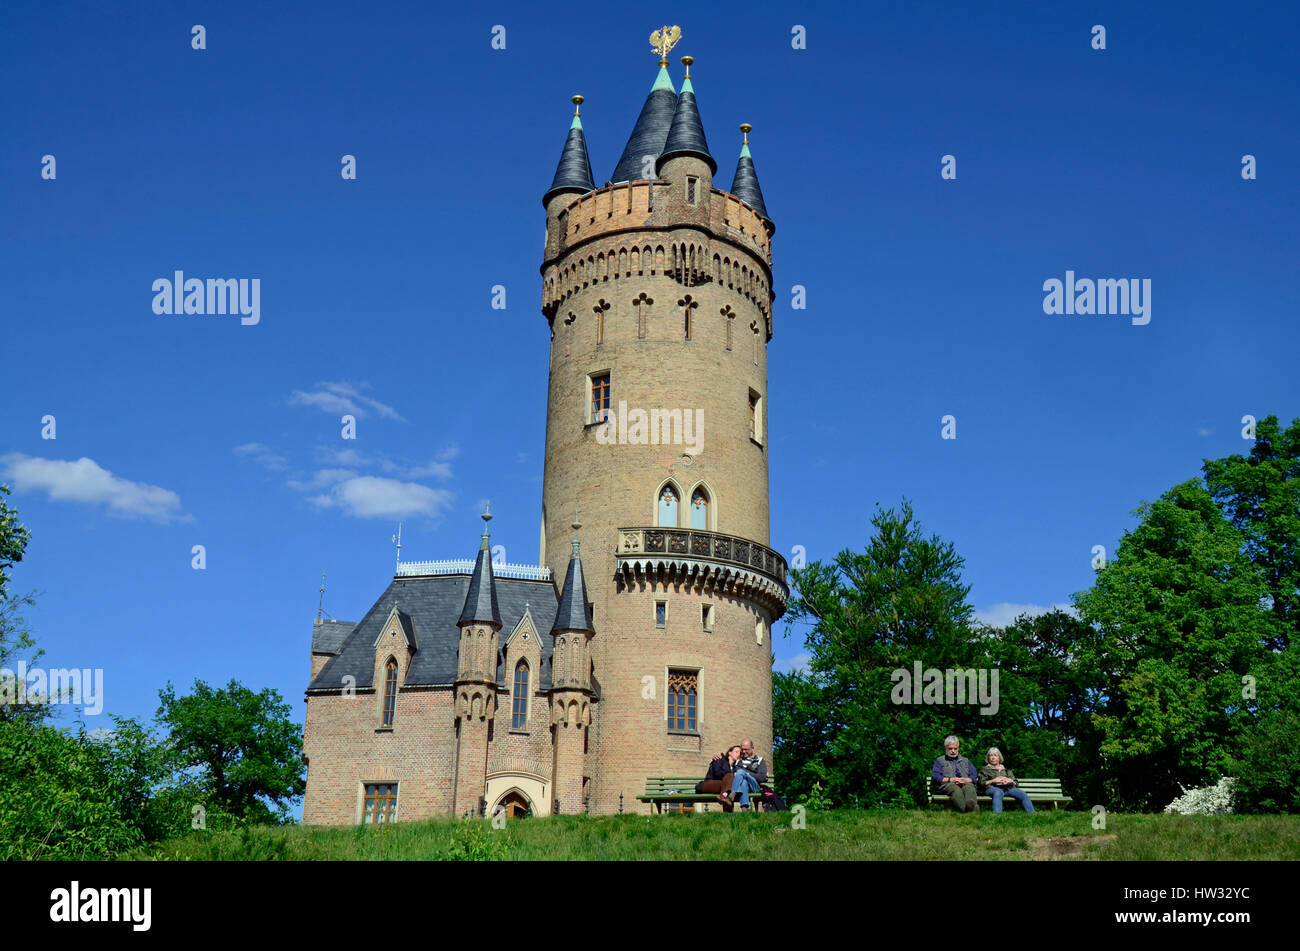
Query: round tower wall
[(625, 265)]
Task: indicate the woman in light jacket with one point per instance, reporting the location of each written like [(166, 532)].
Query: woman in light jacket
[(997, 781)]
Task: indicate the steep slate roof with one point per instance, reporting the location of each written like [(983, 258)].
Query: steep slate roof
[(651, 129), (571, 615), (481, 600), (573, 174), (686, 135), (745, 185), (328, 636), (434, 605)]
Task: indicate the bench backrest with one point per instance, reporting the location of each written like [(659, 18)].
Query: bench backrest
[(668, 785), (672, 785), (1035, 788)]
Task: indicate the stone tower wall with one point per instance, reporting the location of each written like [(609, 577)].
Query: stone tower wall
[(717, 251)]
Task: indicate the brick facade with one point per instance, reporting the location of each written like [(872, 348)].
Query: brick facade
[(623, 266)]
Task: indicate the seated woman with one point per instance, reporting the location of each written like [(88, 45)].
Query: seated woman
[(998, 781), (721, 772)]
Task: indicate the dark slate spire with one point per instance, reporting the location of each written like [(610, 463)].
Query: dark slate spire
[(745, 185), (481, 601), (573, 174), (686, 135), (571, 615), (651, 129)]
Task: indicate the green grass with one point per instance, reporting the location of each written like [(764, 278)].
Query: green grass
[(840, 834)]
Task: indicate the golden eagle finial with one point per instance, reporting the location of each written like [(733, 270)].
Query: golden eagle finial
[(663, 40)]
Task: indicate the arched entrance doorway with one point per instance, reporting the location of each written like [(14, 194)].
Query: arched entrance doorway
[(515, 806)]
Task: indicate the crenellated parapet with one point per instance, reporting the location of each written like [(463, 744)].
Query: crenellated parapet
[(638, 229), (632, 206)]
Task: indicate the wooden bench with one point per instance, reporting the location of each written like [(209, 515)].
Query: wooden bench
[(680, 791), (1041, 792)]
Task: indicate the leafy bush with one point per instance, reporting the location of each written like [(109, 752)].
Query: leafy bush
[(476, 841), (57, 800), (1267, 783)]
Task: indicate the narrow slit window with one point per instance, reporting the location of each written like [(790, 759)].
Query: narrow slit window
[(390, 692)]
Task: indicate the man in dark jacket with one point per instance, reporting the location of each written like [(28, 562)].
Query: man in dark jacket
[(954, 776)]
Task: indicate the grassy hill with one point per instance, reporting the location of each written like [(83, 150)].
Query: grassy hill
[(840, 834)]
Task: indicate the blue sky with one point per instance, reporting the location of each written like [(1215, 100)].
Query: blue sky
[(924, 296)]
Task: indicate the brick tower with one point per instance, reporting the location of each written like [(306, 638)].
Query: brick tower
[(658, 291)]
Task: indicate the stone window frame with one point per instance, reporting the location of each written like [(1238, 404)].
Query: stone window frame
[(388, 709), (389, 799), (708, 617), (590, 403), (696, 673), (711, 506), (518, 717), (661, 603), (756, 434), (659, 491)]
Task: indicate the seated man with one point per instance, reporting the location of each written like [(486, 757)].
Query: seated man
[(954, 776), (721, 773), (751, 773)]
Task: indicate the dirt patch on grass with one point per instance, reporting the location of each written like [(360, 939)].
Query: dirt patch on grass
[(1067, 847)]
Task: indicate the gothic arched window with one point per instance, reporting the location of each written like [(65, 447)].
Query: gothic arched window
[(668, 499), (390, 691), (700, 509), (519, 713)]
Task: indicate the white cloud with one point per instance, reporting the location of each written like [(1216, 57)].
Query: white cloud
[(439, 469), (338, 398), (799, 662), (86, 481), (341, 457), (1000, 615), (263, 455), (322, 478), (375, 497), (350, 457), (1204, 432)]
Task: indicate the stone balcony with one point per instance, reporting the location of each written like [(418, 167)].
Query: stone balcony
[(736, 565)]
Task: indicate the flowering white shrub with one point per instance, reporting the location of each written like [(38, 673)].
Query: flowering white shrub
[(1213, 800)]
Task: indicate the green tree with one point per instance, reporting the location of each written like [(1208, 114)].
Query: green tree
[(899, 601), (16, 642), (241, 746), (14, 537), (1260, 494), (1265, 766), (56, 801), (1049, 695), (1180, 623)]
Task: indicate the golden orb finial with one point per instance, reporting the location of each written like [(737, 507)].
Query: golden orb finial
[(745, 129), (686, 61), (577, 101)]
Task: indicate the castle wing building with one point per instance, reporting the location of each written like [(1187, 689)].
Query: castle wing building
[(640, 643)]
